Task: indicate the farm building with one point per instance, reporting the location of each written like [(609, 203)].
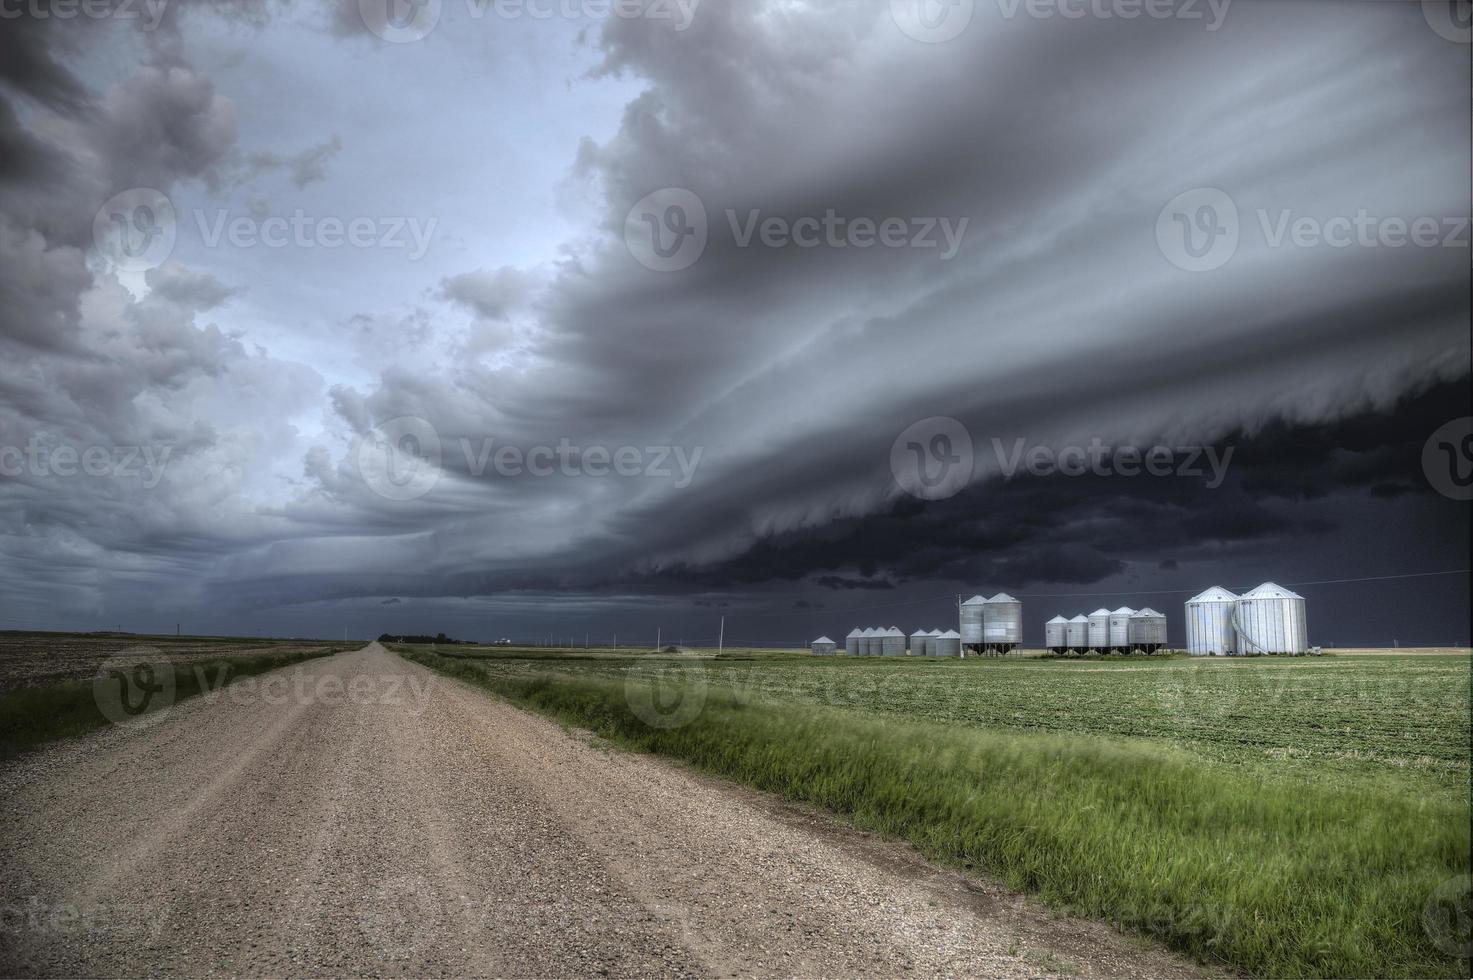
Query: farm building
[(1098, 637), (823, 647), (1056, 634), (851, 642), (1270, 619), (1210, 631)]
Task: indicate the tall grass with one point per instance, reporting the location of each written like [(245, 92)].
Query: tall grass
[(32, 716), (1274, 877)]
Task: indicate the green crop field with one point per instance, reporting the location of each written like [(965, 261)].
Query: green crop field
[(1278, 817), (1400, 716)]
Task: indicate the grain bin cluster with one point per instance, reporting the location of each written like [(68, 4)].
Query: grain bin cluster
[(1122, 630), (1267, 620), (993, 626), (890, 641)]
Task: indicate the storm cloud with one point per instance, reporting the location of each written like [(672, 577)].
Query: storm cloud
[(549, 415)]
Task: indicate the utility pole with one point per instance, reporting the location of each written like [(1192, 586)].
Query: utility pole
[(616, 641), (961, 646), (721, 638), (657, 638)]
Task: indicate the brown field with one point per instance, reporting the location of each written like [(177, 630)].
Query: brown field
[(31, 659)]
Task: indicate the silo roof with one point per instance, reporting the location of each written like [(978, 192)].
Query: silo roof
[(823, 639), (1123, 611), (976, 600), (936, 632), (1215, 594), (1002, 597), (951, 635), (1058, 619), (856, 631), (920, 633), (1081, 618), (1148, 611), (1100, 612), (1269, 590)]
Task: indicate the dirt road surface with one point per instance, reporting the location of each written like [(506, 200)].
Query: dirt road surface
[(361, 815)]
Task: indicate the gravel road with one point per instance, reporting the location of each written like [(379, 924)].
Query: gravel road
[(361, 815)]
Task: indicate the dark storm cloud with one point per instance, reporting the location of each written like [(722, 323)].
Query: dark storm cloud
[(786, 372)]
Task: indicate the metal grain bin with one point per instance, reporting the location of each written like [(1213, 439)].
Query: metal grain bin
[(823, 647), (1002, 623), (1270, 619), (892, 642), (1055, 634), (920, 644), (869, 642), (1210, 629), (1076, 635), (1147, 630), (948, 644), (851, 642), (1099, 630), (1120, 628), (971, 634)]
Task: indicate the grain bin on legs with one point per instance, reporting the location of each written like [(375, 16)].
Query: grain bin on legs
[(1147, 630), (1098, 637), (971, 634), (1056, 634), (1076, 636), (1002, 624), (1119, 638)]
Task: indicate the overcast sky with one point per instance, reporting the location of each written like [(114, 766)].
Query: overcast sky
[(807, 302)]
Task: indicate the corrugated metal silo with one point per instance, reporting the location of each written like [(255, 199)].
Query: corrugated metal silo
[(1270, 619), (1076, 636), (948, 644), (866, 641), (1002, 623), (892, 642), (823, 647), (1120, 628), (1147, 630), (971, 634), (851, 642), (1055, 634), (1098, 637), (1210, 623), (919, 644)]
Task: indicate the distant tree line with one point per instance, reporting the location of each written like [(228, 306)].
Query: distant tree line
[(406, 638)]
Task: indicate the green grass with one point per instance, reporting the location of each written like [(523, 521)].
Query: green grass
[(32, 716), (1401, 718), (1261, 870)]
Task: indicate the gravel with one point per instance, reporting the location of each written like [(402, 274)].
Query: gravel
[(378, 819)]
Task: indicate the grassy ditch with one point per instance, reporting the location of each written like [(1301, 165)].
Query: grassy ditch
[(1272, 876), (32, 716)]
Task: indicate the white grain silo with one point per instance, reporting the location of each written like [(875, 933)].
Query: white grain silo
[(1098, 637), (851, 642), (892, 642), (1210, 623), (1270, 619), (823, 647), (972, 615), (1002, 623), (919, 644), (1147, 630), (1076, 637), (1055, 634), (948, 644), (869, 643), (1120, 628)]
